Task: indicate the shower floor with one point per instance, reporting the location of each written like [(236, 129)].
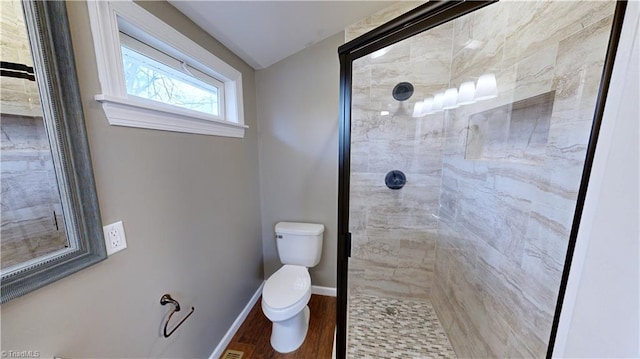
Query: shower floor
[(395, 328)]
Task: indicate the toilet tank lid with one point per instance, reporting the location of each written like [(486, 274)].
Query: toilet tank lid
[(299, 228)]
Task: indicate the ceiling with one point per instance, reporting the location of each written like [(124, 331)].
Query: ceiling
[(265, 32)]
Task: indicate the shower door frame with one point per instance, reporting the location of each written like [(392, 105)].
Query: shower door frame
[(420, 19)]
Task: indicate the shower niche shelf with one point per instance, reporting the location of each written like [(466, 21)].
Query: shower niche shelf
[(517, 132)]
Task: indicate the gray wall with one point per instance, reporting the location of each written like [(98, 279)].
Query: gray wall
[(298, 136), (190, 231)]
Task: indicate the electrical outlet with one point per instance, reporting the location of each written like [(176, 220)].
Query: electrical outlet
[(114, 237)]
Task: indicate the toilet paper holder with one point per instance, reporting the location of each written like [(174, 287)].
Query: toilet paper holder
[(166, 299)]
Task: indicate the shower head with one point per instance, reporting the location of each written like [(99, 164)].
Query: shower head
[(402, 91)]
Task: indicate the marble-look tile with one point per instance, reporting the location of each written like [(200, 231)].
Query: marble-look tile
[(465, 339), (368, 190), (423, 72), (487, 134), (534, 74), (419, 281), (371, 22), (360, 84), (546, 239), (479, 42), (361, 119), (463, 34), (440, 295), (454, 243), (399, 217), (566, 150), (418, 251), (533, 25), (578, 70), (519, 181), (398, 53), (409, 252), (465, 348), (434, 41), (427, 77), (499, 222), (529, 129), (430, 127), (519, 346), (524, 303), (360, 156), (377, 251), (357, 220), (421, 156), (368, 279), (376, 127), (456, 128)]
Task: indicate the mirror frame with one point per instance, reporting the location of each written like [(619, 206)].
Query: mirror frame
[(55, 70)]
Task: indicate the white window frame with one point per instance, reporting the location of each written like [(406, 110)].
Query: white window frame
[(107, 19)]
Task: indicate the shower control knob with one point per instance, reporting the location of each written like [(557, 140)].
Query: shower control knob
[(395, 179)]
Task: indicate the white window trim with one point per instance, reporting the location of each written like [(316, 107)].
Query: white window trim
[(122, 110)]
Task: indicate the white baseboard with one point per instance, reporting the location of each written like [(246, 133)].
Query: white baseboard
[(218, 351), (333, 355), (328, 291)]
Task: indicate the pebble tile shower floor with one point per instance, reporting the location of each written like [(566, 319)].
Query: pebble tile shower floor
[(395, 328)]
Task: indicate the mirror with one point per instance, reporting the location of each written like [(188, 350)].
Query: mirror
[(50, 216)]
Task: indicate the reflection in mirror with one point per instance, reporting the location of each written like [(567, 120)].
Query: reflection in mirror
[(51, 225), (32, 219)]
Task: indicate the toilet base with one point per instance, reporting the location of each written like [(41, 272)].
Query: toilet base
[(288, 335)]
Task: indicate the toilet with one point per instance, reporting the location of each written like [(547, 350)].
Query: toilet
[(287, 292)]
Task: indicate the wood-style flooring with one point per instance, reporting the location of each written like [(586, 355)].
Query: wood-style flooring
[(253, 336)]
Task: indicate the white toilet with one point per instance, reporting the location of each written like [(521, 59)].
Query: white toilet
[(287, 292)]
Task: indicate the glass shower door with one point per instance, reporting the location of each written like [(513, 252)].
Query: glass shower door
[(467, 147)]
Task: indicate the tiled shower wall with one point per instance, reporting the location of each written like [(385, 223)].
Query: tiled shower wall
[(511, 171), (489, 250), (394, 231)]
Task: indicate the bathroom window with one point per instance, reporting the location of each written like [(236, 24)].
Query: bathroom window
[(154, 77)]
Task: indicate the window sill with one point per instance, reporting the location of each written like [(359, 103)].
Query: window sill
[(135, 113)]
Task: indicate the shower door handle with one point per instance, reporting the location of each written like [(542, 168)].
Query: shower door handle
[(347, 238)]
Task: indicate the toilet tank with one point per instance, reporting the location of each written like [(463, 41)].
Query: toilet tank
[(299, 243)]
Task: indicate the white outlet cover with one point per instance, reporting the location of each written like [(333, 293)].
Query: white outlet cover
[(114, 237)]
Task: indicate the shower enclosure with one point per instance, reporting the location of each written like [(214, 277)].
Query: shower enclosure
[(468, 129)]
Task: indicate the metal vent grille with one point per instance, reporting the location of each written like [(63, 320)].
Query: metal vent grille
[(232, 354)]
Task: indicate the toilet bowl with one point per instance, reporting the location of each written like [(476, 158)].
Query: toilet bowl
[(284, 301), (287, 292)]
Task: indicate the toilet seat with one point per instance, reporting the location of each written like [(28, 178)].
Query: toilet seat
[(286, 292)]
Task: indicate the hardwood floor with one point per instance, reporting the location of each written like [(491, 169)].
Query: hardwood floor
[(253, 336)]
